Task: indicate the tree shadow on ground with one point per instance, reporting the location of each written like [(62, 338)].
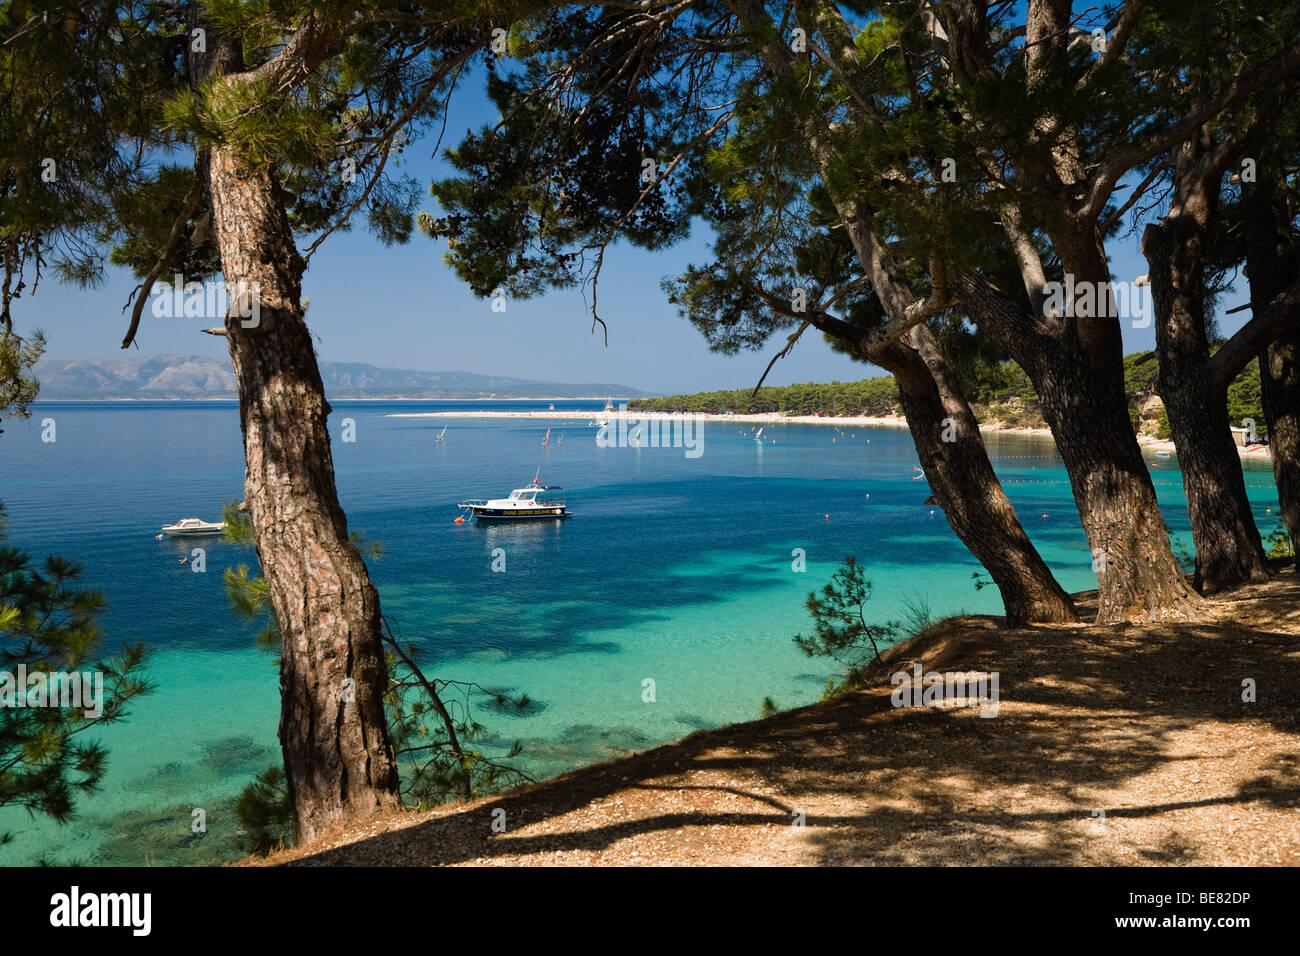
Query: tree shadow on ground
[(1116, 745)]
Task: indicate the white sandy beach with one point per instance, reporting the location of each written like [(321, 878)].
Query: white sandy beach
[(766, 418), (1149, 444)]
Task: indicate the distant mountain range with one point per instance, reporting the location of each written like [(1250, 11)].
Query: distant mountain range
[(157, 377)]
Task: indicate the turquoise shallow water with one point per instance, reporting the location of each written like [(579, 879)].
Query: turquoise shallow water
[(674, 569)]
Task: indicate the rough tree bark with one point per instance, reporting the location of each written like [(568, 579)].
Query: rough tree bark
[(1076, 361), (338, 758), (1228, 548), (961, 475), (1273, 263), (964, 483), (1083, 401)]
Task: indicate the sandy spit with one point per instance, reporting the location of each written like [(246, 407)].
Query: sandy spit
[(1148, 443)]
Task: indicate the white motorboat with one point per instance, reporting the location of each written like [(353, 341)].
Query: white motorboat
[(193, 527), (523, 503)]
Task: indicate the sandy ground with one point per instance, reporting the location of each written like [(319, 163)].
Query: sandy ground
[(1112, 745), (1166, 445)]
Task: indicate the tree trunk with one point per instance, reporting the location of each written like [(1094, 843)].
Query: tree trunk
[(337, 755), (965, 485), (1083, 401), (1228, 549), (1273, 263), (1279, 378), (960, 474)]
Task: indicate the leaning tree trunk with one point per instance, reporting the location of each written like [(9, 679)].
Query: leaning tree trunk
[(1273, 263), (964, 484), (338, 758), (1228, 549), (1279, 379), (1083, 400)]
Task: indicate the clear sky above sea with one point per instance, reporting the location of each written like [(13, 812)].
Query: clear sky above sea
[(401, 307)]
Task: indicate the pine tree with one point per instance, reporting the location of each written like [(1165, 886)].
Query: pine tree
[(55, 689), (595, 146), (294, 119)]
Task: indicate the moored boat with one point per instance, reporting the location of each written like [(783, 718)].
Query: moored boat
[(193, 527), (522, 504)]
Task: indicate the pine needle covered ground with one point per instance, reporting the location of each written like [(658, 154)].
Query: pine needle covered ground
[(1144, 723)]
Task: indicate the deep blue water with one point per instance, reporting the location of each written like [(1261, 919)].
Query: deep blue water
[(673, 569)]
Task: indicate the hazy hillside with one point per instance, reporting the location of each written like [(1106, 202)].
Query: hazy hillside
[(196, 377)]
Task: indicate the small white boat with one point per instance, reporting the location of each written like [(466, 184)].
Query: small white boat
[(523, 503), (193, 527)]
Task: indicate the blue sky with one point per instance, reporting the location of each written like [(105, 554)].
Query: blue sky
[(401, 307)]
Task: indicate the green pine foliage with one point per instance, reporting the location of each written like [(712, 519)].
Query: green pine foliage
[(18, 386), (1280, 544), (872, 396), (1163, 428), (49, 623), (998, 390), (265, 813), (1244, 402), (840, 627), (70, 112)]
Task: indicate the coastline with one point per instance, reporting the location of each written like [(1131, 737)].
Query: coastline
[(1155, 446), (232, 397), (756, 418), (1165, 446)]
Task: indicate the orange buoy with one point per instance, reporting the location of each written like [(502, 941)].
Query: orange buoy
[(460, 520), (1044, 516), (828, 517)]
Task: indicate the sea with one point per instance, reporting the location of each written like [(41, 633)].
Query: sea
[(666, 605)]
